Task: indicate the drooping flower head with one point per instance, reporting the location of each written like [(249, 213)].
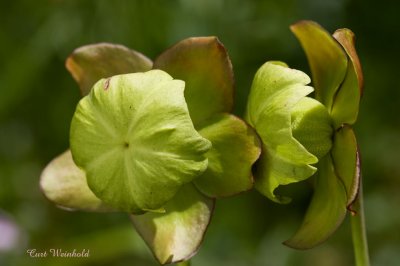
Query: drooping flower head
[(302, 136)]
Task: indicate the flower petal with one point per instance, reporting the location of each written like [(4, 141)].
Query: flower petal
[(203, 63), (326, 57), (235, 148), (65, 184), (326, 211), (347, 100), (135, 140), (346, 160), (177, 234), (347, 39), (90, 63), (276, 89)]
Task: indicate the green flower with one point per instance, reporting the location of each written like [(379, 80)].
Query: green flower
[(302, 136), (141, 141), (133, 137)]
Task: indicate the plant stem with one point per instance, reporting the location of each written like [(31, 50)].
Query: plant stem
[(183, 263), (359, 231)]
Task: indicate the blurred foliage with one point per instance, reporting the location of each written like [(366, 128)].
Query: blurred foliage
[(38, 98)]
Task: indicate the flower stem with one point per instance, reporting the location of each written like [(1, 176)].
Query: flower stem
[(183, 263), (359, 231)]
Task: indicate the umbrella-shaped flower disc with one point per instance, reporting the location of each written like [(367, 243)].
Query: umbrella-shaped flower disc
[(134, 138)]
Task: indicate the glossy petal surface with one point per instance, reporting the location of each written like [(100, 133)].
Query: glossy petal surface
[(326, 211), (276, 89), (235, 148), (90, 63), (326, 57), (202, 62), (135, 140), (177, 234), (65, 184)]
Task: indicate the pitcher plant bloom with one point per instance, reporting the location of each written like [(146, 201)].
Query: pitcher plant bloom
[(155, 140), (304, 136), (158, 140)]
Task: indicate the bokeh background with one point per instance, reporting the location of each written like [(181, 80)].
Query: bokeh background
[(38, 97)]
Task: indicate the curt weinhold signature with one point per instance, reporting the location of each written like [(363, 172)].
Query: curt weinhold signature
[(53, 252)]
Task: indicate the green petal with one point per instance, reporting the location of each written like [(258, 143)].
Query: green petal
[(276, 89), (312, 126), (328, 61), (347, 39), (347, 100), (235, 148), (90, 63), (177, 234), (135, 140), (346, 160), (326, 211), (65, 184), (204, 65)]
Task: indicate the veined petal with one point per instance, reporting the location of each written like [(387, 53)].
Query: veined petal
[(134, 138)]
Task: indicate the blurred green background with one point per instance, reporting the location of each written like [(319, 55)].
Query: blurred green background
[(38, 97)]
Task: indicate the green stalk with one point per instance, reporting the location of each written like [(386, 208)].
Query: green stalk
[(183, 263), (359, 231)]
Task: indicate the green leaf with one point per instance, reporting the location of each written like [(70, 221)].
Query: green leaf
[(90, 63), (326, 211), (347, 162), (276, 89), (177, 234), (135, 140), (235, 148), (347, 100), (204, 65), (63, 183), (328, 61)]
